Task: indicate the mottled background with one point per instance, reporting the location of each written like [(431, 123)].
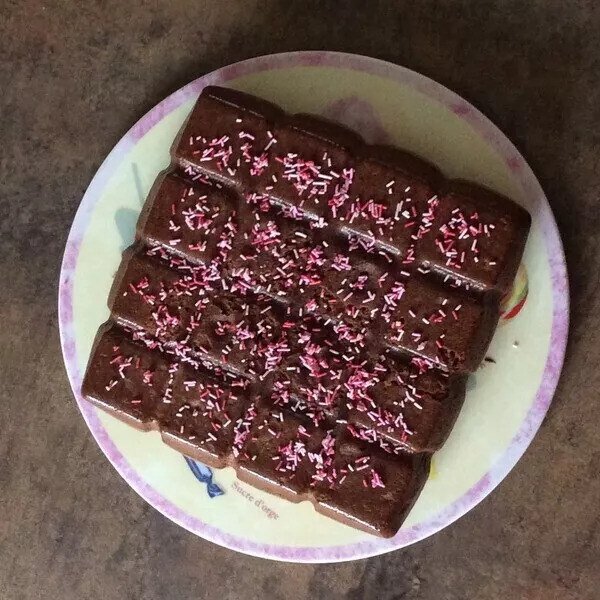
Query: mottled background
[(74, 76)]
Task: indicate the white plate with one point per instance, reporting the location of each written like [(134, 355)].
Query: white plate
[(507, 400)]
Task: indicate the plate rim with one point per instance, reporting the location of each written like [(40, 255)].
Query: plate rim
[(560, 306)]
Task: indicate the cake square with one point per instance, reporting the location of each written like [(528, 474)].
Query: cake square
[(438, 323), (310, 379), (388, 198), (272, 255), (149, 295), (285, 451), (409, 403), (310, 165), (475, 235), (126, 378), (193, 219), (200, 411), (371, 489), (228, 136), (243, 334)]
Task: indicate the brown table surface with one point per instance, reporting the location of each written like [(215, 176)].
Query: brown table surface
[(74, 76)]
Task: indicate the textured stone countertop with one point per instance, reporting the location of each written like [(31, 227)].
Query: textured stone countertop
[(74, 76)]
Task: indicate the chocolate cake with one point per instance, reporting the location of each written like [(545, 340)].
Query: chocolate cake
[(304, 307)]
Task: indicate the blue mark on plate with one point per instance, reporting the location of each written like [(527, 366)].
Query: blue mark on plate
[(126, 218), (138, 183), (204, 474)]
